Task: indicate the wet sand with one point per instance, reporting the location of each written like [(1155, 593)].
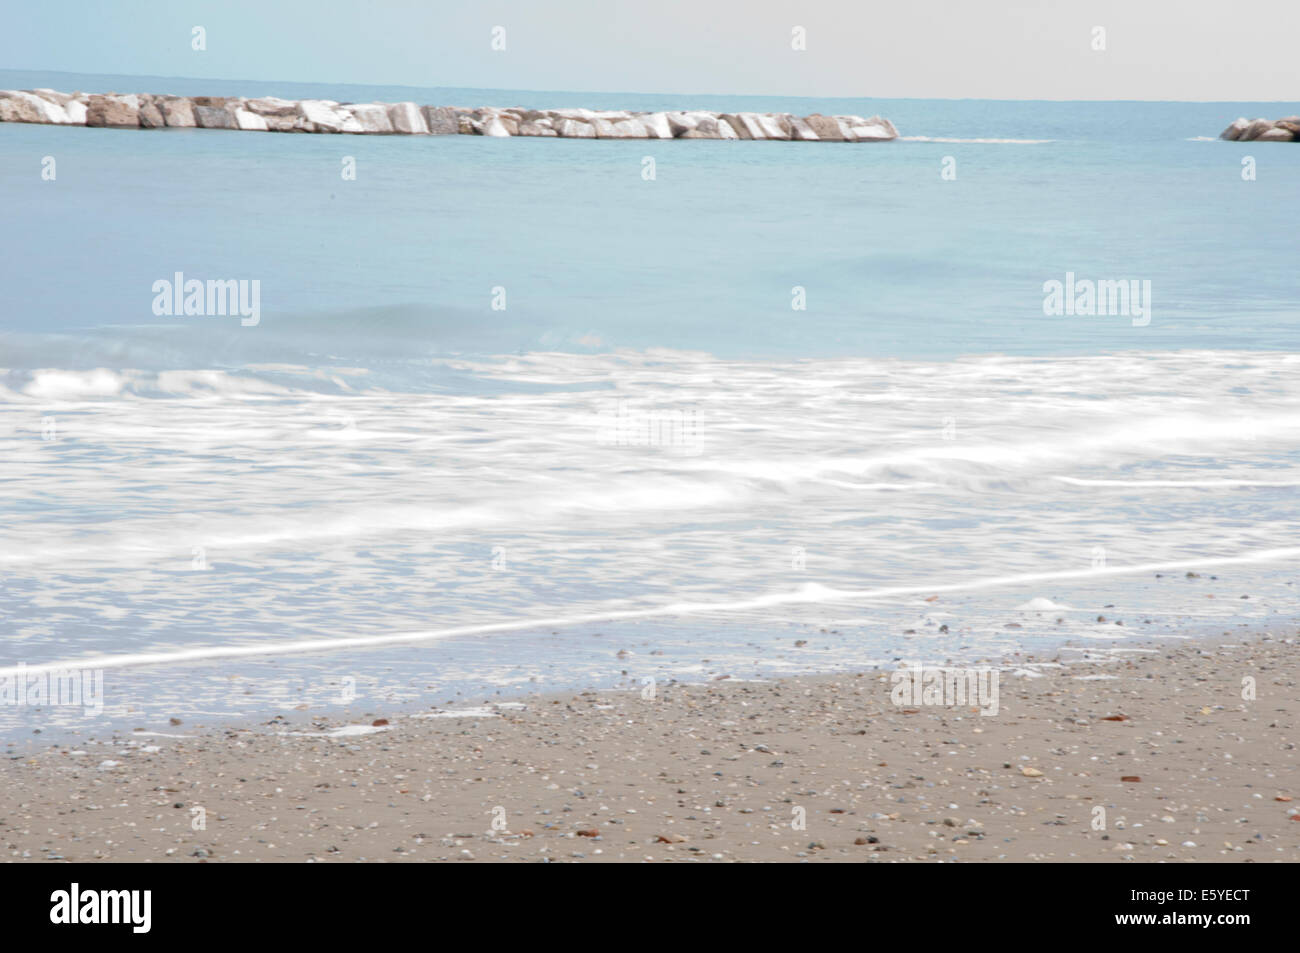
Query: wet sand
[(819, 768)]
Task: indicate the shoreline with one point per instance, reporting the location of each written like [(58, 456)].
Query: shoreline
[(716, 772)]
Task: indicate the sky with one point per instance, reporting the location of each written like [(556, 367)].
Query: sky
[(1207, 50)]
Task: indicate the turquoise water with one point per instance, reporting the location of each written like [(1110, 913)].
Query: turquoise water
[(648, 463)]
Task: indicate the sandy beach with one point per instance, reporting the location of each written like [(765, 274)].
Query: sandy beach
[(1151, 756)]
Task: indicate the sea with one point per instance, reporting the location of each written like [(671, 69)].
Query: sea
[(507, 417)]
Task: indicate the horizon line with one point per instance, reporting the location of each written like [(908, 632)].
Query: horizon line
[(954, 99)]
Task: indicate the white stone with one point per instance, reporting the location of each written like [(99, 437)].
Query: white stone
[(771, 127), (800, 130), (1235, 130), (326, 115), (657, 126), (1275, 135), (407, 118), (871, 132), (249, 121), (372, 117), (44, 110), (76, 111), (54, 96), (573, 129), (495, 127), (681, 123), (752, 125), (584, 114), (272, 106), (628, 129)]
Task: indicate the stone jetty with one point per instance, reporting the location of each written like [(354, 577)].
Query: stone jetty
[(269, 114), (1263, 130)]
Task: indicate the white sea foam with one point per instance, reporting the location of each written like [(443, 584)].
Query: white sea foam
[(809, 593), (186, 517)]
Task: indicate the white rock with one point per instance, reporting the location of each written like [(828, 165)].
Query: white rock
[(1234, 131), (874, 129), (495, 127), (585, 114), (1275, 135), (249, 121), (725, 130), (178, 112), (539, 127), (573, 129), (34, 108), (628, 129), (407, 118), (1256, 129), (800, 130), (76, 111), (440, 120), (327, 116), (771, 126), (681, 123), (745, 126), (54, 96), (272, 106), (657, 126), (372, 117)]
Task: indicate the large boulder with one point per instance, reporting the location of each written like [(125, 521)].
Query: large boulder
[(371, 117), (628, 129), (249, 121), (151, 116), (870, 130), (52, 106), (746, 125), (118, 111), (20, 107), (1290, 126), (1275, 134), (682, 123), (1256, 128), (711, 127), (1235, 131), (801, 131), (53, 96), (828, 128), (326, 116), (583, 115), (214, 117), (773, 127), (539, 127), (42, 109), (576, 129), (178, 111), (657, 125), (495, 127), (288, 124), (272, 106), (407, 118), (76, 110), (604, 128), (440, 120)]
